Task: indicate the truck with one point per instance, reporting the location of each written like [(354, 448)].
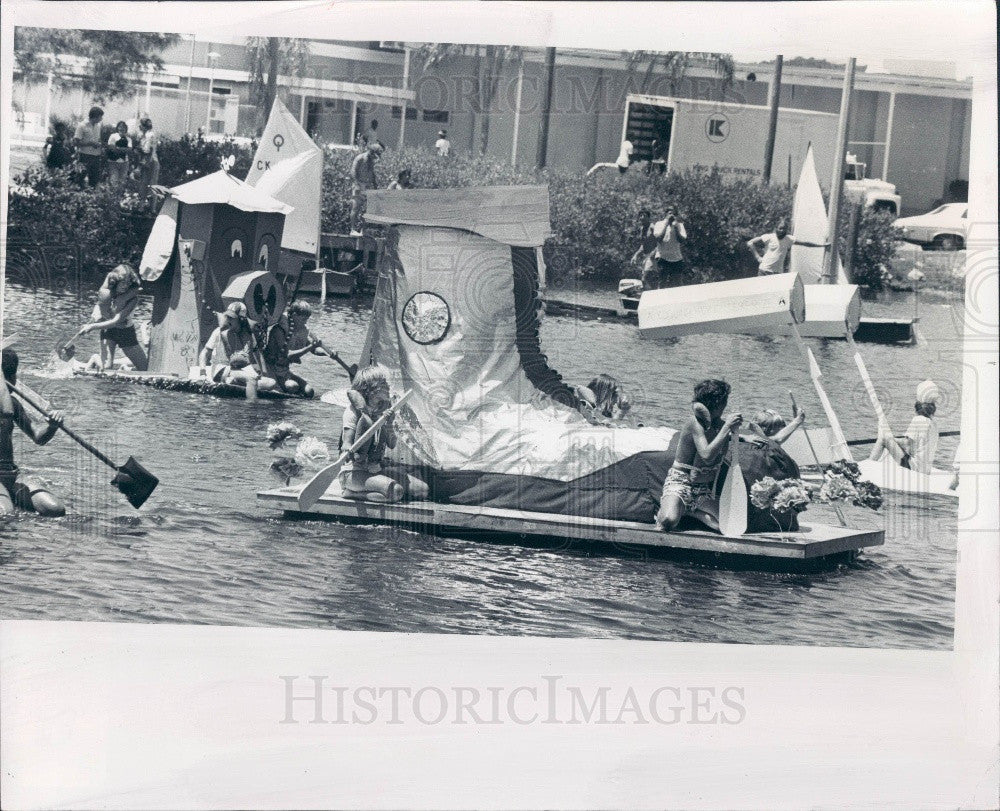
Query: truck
[(678, 134)]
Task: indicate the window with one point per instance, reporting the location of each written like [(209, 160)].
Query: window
[(411, 113), (436, 116)]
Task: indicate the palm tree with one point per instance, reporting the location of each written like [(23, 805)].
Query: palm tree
[(675, 64), (490, 61), (266, 59)]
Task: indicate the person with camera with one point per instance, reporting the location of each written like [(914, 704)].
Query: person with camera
[(670, 234)]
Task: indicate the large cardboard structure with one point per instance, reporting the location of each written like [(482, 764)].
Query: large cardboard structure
[(207, 232)]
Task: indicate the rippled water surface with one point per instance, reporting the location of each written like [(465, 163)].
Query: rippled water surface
[(203, 550)]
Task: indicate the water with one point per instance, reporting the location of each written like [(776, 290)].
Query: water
[(203, 550)]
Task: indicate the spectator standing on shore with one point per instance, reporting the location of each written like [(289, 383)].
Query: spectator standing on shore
[(670, 234), (119, 151), (643, 256), (442, 144), (90, 145), (771, 250), (149, 161), (57, 151), (363, 177)]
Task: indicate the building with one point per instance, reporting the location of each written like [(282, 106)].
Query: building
[(911, 130)]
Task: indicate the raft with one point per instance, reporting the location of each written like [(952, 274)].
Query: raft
[(811, 547), (175, 383)]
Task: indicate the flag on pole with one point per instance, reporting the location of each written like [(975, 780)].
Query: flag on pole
[(288, 166), (810, 224)]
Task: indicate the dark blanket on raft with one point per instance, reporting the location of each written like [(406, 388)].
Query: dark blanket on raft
[(628, 490)]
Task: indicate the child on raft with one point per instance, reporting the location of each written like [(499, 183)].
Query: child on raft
[(366, 475), (689, 489), (27, 492), (231, 351), (917, 449), (603, 400), (116, 300), (277, 356), (771, 425)]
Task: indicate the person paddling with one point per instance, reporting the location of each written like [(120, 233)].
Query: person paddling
[(27, 492), (116, 301), (689, 489)]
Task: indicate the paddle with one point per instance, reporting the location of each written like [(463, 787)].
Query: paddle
[(351, 370), (795, 412), (874, 440), (132, 479), (319, 483), (66, 350), (733, 500)]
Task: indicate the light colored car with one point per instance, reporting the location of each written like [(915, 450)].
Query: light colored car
[(943, 229)]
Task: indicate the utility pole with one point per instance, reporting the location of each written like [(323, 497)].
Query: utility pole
[(774, 96), (837, 181), (550, 75)]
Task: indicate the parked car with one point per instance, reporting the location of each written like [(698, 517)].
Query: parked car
[(942, 229)]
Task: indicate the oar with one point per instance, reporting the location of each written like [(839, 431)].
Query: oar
[(795, 411), (65, 349), (319, 483), (840, 448), (733, 501), (351, 369), (132, 479), (874, 440)]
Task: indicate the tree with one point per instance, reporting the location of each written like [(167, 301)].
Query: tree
[(112, 61), (490, 61), (675, 64), (267, 58)]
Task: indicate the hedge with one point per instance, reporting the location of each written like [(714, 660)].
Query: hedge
[(593, 218)]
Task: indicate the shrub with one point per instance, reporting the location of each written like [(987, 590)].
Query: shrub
[(190, 157), (52, 209), (593, 218), (874, 247)]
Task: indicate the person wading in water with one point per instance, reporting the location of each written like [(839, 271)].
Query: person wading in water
[(28, 492)]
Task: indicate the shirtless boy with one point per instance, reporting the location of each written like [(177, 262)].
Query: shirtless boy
[(690, 485)]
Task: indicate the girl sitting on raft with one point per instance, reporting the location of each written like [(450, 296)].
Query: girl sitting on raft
[(366, 475), (917, 449), (232, 350), (603, 400)]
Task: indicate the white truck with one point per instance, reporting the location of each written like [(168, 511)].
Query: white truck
[(676, 134)]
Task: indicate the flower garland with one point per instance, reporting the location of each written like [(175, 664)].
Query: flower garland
[(309, 454)]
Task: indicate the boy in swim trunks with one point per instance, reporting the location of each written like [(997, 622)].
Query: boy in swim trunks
[(25, 492), (690, 485)]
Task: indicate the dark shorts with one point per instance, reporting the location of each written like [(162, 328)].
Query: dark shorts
[(124, 337), (905, 461)]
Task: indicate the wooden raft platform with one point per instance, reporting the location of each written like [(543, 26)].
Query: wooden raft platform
[(811, 545), (181, 384)]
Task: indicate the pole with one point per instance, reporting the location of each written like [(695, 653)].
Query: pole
[(208, 112), (149, 91), (852, 240), (774, 97), (888, 136), (48, 101), (837, 181), (406, 86), (517, 113), (550, 75), (187, 95)]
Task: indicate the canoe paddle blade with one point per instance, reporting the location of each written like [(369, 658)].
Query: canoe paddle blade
[(135, 482), (733, 501)]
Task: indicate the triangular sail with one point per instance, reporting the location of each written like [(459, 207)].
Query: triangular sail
[(288, 165), (810, 224)]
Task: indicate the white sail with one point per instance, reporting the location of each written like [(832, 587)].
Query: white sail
[(289, 166), (810, 224)]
